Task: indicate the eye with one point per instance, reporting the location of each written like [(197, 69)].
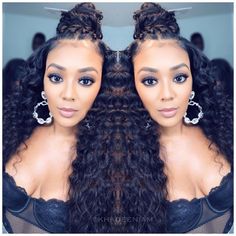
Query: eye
[(55, 78), (180, 78), (149, 81), (86, 81)]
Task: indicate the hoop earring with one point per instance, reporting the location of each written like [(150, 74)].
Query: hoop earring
[(200, 114), (41, 121)]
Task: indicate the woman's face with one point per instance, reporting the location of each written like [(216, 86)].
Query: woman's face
[(72, 80), (163, 80)]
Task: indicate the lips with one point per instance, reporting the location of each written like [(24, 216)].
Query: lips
[(67, 112), (168, 112)]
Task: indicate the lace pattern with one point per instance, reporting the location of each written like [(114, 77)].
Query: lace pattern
[(39, 214), (201, 214)]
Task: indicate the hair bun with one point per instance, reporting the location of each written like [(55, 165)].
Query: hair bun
[(153, 19), (83, 20)]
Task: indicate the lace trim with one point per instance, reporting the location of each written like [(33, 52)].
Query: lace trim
[(49, 201), (11, 179), (222, 183), (214, 189)]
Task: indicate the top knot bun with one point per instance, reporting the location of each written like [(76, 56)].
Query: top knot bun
[(152, 19), (82, 21)]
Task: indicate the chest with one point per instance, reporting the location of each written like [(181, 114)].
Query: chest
[(24, 213), (191, 168)]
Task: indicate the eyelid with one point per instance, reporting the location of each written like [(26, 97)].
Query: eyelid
[(181, 75), (87, 77), (51, 75), (150, 78), (92, 80)]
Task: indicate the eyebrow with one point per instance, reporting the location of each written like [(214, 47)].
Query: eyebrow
[(179, 66), (56, 66), (82, 70), (153, 70), (148, 69), (86, 69)]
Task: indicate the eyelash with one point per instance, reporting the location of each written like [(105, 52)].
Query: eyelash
[(146, 81), (52, 78), (84, 81), (87, 79), (151, 81), (184, 76)]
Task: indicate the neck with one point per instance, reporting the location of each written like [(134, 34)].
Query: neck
[(63, 132), (172, 132)]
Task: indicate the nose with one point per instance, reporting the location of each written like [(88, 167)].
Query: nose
[(69, 92), (167, 92)]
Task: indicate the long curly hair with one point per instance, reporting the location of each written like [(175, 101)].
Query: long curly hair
[(90, 193), (135, 172), (153, 22), (119, 176)]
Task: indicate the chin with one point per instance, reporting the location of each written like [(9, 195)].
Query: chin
[(68, 123), (168, 122)]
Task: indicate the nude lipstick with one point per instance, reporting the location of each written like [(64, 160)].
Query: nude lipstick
[(67, 112), (168, 112)]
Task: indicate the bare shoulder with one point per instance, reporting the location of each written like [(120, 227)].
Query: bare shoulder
[(42, 166), (212, 172), (26, 166), (192, 167), (208, 166)]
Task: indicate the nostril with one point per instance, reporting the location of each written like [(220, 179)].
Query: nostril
[(68, 99)]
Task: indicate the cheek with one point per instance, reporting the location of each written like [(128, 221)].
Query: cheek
[(185, 99), (52, 102), (184, 91), (52, 92), (184, 104), (141, 91), (148, 96), (87, 97)]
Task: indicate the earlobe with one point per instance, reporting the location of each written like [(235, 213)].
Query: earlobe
[(192, 94), (43, 95)]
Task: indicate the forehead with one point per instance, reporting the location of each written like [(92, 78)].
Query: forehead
[(160, 53), (74, 52)]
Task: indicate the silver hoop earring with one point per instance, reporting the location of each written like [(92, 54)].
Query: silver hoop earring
[(200, 114), (41, 121)]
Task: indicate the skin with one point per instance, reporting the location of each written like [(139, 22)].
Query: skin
[(163, 79), (163, 82), (72, 79)]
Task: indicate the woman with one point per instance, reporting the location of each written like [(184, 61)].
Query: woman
[(193, 121), (52, 181)]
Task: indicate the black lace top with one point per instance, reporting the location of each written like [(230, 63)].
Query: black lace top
[(210, 214), (25, 214)]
